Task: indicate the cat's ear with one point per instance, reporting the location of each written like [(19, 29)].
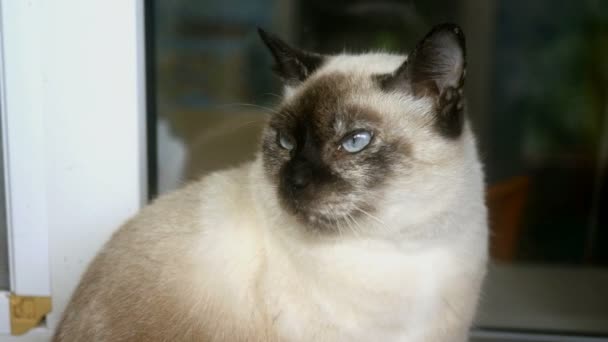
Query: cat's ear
[(436, 64), (291, 64), (436, 68), (438, 61)]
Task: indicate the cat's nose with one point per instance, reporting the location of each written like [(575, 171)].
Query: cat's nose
[(301, 176)]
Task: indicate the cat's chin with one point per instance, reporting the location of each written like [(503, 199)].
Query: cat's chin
[(328, 216), (329, 223), (320, 222)]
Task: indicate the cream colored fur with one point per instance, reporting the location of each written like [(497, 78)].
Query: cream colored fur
[(219, 260)]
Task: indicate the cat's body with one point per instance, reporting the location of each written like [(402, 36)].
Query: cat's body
[(230, 258)]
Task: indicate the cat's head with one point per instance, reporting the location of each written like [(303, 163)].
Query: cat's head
[(355, 135)]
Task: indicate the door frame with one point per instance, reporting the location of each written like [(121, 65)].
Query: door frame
[(73, 111)]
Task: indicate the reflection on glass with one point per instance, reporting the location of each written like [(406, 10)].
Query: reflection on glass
[(546, 157), (537, 88), (213, 84)]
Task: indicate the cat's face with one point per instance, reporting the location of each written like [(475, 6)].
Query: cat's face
[(350, 127)]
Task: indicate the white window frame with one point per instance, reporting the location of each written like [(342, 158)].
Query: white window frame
[(72, 95)]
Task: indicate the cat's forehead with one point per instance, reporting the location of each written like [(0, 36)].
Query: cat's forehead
[(344, 74), (325, 103)]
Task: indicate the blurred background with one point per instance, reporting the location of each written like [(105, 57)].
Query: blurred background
[(537, 89)]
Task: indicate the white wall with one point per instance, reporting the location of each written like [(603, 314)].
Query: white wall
[(86, 62)]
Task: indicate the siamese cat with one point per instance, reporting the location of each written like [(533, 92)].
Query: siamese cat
[(362, 218)]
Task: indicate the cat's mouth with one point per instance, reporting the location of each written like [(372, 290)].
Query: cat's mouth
[(350, 222), (328, 217), (334, 209)]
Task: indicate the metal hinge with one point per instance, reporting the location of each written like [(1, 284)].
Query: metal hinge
[(27, 312)]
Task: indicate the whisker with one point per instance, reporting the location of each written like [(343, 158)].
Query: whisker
[(356, 232), (275, 95), (370, 215), (339, 227), (249, 105), (346, 222), (233, 128)]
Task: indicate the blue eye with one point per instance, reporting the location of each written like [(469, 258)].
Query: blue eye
[(286, 142), (356, 141)]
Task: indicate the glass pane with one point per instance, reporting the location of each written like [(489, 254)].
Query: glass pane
[(546, 143), (212, 84), (537, 87)]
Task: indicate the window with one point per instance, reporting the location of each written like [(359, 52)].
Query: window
[(537, 95)]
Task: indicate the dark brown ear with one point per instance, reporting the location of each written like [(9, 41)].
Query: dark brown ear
[(291, 64), (436, 68), (439, 61)]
